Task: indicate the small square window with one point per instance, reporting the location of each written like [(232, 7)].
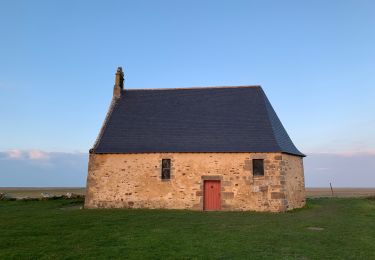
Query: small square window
[(165, 169), (258, 167)]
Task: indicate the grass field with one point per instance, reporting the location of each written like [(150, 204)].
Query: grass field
[(328, 228)]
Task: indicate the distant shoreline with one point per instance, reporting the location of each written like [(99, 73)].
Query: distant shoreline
[(83, 187), (316, 192), (40, 188)]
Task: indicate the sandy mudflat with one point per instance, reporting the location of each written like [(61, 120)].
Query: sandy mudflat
[(24, 192), (339, 192), (27, 192)]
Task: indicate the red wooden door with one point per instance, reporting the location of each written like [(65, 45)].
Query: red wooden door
[(212, 199)]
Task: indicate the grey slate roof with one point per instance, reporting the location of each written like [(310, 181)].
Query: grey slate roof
[(221, 119)]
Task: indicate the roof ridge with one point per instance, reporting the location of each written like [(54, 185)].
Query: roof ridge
[(194, 88)]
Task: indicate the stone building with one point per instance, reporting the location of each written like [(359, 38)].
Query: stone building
[(213, 148)]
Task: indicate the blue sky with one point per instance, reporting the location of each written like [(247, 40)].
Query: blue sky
[(314, 59)]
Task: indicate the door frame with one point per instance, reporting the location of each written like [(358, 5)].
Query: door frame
[(210, 178)]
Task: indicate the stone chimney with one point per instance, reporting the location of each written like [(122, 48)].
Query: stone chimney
[(119, 83)]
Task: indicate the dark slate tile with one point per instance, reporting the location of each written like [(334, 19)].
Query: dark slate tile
[(233, 119)]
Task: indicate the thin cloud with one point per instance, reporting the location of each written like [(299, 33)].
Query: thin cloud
[(38, 155), (34, 154), (15, 154), (36, 168), (355, 169), (353, 153)]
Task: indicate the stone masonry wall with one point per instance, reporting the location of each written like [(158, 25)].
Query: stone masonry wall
[(292, 169), (134, 181)]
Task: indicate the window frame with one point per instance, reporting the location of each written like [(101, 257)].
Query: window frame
[(257, 165), (167, 168)]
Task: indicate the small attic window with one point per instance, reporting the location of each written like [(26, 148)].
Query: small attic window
[(258, 167), (166, 169)]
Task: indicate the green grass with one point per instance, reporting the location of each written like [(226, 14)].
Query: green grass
[(59, 229)]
